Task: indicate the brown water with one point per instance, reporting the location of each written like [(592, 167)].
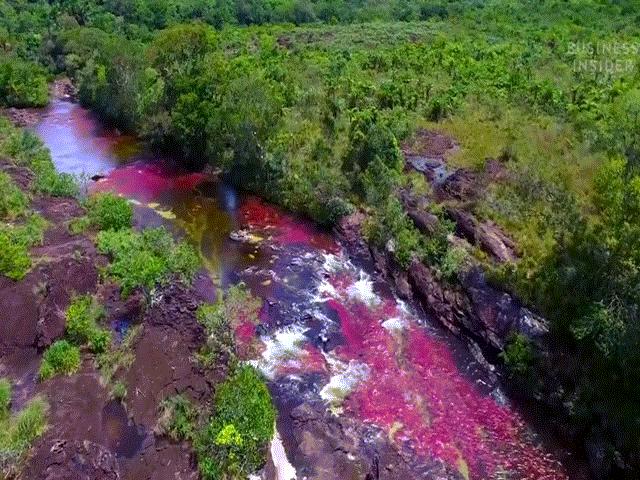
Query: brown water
[(330, 334)]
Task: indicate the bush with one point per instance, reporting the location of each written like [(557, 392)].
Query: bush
[(22, 84), (82, 324), (518, 355), (107, 211), (12, 201), (61, 358), (14, 257), (234, 442), (220, 319), (15, 241), (146, 259)]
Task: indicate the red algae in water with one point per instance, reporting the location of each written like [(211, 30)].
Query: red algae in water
[(146, 181), (417, 393), (288, 230), (245, 332)]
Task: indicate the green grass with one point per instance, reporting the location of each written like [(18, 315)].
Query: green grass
[(146, 259), (19, 430), (83, 315), (107, 211), (13, 202), (61, 358)]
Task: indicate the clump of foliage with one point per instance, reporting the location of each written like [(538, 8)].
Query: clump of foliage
[(22, 83), (12, 201), (18, 431), (119, 391), (107, 211), (178, 418), (518, 355), (14, 257), (83, 315), (146, 259), (233, 443), (15, 241), (5, 397), (61, 358)]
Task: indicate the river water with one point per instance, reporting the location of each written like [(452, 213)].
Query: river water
[(330, 334)]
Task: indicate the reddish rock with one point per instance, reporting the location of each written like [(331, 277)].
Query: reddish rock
[(165, 365)]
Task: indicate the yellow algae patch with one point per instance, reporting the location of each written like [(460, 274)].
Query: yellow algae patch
[(395, 428), (253, 238), (463, 467), (153, 205), (168, 214)]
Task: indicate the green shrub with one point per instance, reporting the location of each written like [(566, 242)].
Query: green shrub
[(17, 433), (61, 358), (50, 182), (79, 225), (146, 259), (12, 201), (14, 257), (234, 442), (518, 355), (220, 319), (107, 211), (22, 84), (83, 316)]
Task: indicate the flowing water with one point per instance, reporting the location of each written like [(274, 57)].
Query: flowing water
[(330, 334)]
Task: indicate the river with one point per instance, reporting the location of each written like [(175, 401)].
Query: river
[(332, 335)]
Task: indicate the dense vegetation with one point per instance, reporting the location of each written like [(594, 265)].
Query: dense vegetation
[(314, 116), (143, 260)]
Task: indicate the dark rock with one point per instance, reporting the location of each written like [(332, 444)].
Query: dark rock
[(460, 185), (424, 221), (496, 314), (445, 304), (487, 236), (74, 460), (158, 373)]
